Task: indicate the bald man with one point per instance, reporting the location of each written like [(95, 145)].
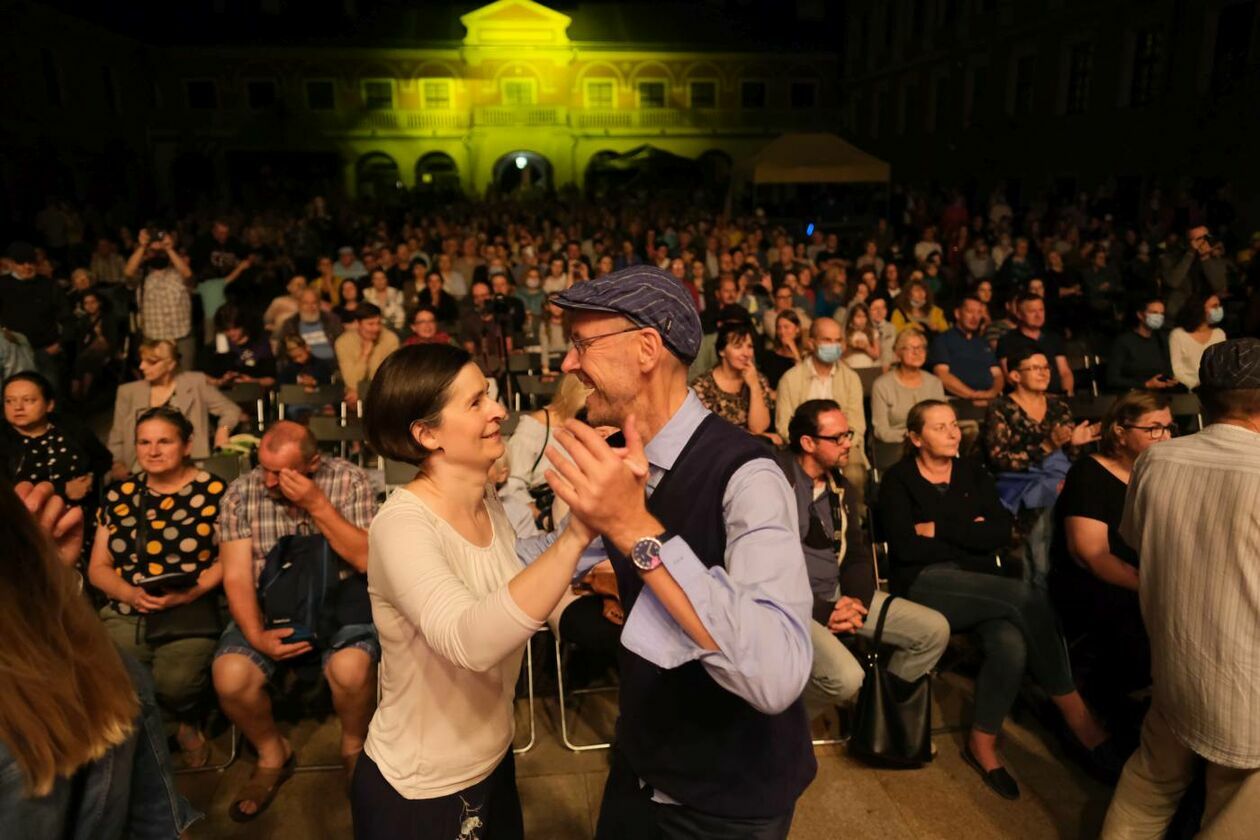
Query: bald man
[(295, 493)]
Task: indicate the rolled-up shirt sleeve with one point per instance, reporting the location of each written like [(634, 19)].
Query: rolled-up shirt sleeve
[(757, 608)]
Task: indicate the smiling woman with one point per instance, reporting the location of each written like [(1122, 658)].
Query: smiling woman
[(452, 604)]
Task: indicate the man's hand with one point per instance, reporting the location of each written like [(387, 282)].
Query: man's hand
[(925, 529), (53, 349), (271, 643), (301, 490), (64, 525), (847, 617), (603, 487), (144, 603)]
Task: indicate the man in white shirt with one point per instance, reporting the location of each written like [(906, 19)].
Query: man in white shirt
[(1192, 516)]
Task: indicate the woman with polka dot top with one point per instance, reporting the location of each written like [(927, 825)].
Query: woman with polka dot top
[(160, 521)]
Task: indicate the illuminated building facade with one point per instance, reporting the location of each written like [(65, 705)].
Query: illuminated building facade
[(518, 97)]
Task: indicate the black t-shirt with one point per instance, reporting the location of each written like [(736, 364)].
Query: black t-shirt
[(1049, 344), (213, 259), (1091, 491)]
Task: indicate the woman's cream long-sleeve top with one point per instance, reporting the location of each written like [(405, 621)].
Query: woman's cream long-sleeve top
[(452, 640)]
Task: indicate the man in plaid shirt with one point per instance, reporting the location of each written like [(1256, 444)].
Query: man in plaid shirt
[(294, 490), (165, 304)]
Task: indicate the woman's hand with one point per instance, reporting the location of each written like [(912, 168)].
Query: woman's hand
[(63, 524), (77, 488), (143, 602), (1084, 433), (925, 529)]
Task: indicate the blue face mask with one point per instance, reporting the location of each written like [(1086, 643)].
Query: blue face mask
[(828, 354), (1154, 321), (1216, 314)]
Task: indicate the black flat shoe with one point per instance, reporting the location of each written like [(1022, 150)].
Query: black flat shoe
[(998, 781)]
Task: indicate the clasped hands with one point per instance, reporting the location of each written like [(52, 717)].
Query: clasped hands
[(604, 486)]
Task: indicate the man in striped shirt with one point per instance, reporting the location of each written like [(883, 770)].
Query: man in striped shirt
[(1193, 514)]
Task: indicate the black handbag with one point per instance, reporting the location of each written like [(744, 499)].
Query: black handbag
[(893, 718), (199, 619)]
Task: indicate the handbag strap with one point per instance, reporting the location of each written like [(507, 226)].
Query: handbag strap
[(879, 625), (543, 448)]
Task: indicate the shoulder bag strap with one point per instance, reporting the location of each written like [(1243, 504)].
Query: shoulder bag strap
[(879, 625), (543, 448)]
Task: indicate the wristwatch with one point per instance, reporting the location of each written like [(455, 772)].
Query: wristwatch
[(646, 553)]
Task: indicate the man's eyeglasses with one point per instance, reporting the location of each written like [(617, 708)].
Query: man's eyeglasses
[(581, 345), (1034, 369), (835, 438), (1157, 430)]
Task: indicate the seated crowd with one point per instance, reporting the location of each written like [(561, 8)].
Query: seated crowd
[(1009, 382)]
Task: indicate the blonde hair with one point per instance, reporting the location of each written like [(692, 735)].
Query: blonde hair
[(159, 348), (65, 696), (569, 397)]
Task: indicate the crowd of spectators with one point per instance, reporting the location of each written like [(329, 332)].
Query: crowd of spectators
[(956, 331)]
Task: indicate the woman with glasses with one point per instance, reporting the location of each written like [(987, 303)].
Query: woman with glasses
[(1093, 572), (900, 389), (945, 522), (733, 388), (1031, 441), (425, 329)]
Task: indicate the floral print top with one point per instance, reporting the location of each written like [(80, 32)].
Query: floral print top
[(182, 528), (1012, 439), (728, 406)]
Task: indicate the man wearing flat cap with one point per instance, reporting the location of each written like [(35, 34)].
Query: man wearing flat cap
[(1192, 512), (700, 525)]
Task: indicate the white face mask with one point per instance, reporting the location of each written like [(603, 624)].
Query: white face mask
[(1216, 314)]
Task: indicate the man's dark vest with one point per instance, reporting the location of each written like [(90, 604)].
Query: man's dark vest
[(680, 731)]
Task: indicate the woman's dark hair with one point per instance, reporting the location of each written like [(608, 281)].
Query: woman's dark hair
[(411, 386), (341, 288), (792, 318), (732, 332), (915, 419), (804, 422), (1192, 314), (172, 416), (37, 379), (1125, 411), (1022, 352)]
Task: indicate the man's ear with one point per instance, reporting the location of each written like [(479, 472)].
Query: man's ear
[(650, 349), (313, 464)]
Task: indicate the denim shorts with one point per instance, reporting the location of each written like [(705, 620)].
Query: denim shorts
[(363, 635)]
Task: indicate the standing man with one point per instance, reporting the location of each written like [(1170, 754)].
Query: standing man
[(1199, 273), (841, 568), (1192, 517), (823, 376), (698, 521), (165, 304)]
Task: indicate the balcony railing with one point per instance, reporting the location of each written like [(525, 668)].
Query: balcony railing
[(538, 116)]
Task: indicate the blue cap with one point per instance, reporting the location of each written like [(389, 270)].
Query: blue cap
[(648, 296)]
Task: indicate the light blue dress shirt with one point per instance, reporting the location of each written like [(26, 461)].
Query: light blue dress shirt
[(757, 606)]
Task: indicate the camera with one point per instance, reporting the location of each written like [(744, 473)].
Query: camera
[(156, 234)]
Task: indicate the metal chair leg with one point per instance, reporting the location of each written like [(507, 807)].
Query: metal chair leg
[(529, 686), (564, 727), (231, 759)]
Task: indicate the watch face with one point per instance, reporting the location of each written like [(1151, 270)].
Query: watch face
[(646, 554)]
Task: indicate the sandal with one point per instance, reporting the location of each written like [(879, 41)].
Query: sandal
[(262, 788)]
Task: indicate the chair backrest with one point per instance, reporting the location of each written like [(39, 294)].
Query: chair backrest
[(398, 472), (226, 465), (868, 376), (521, 363), (1188, 406), (333, 430), (508, 426), (243, 392), (884, 455), (1091, 407), (320, 395), (967, 410)]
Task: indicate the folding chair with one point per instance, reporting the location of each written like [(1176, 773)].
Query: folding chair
[(564, 722), (244, 393), (221, 766), (536, 389), (397, 473)]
